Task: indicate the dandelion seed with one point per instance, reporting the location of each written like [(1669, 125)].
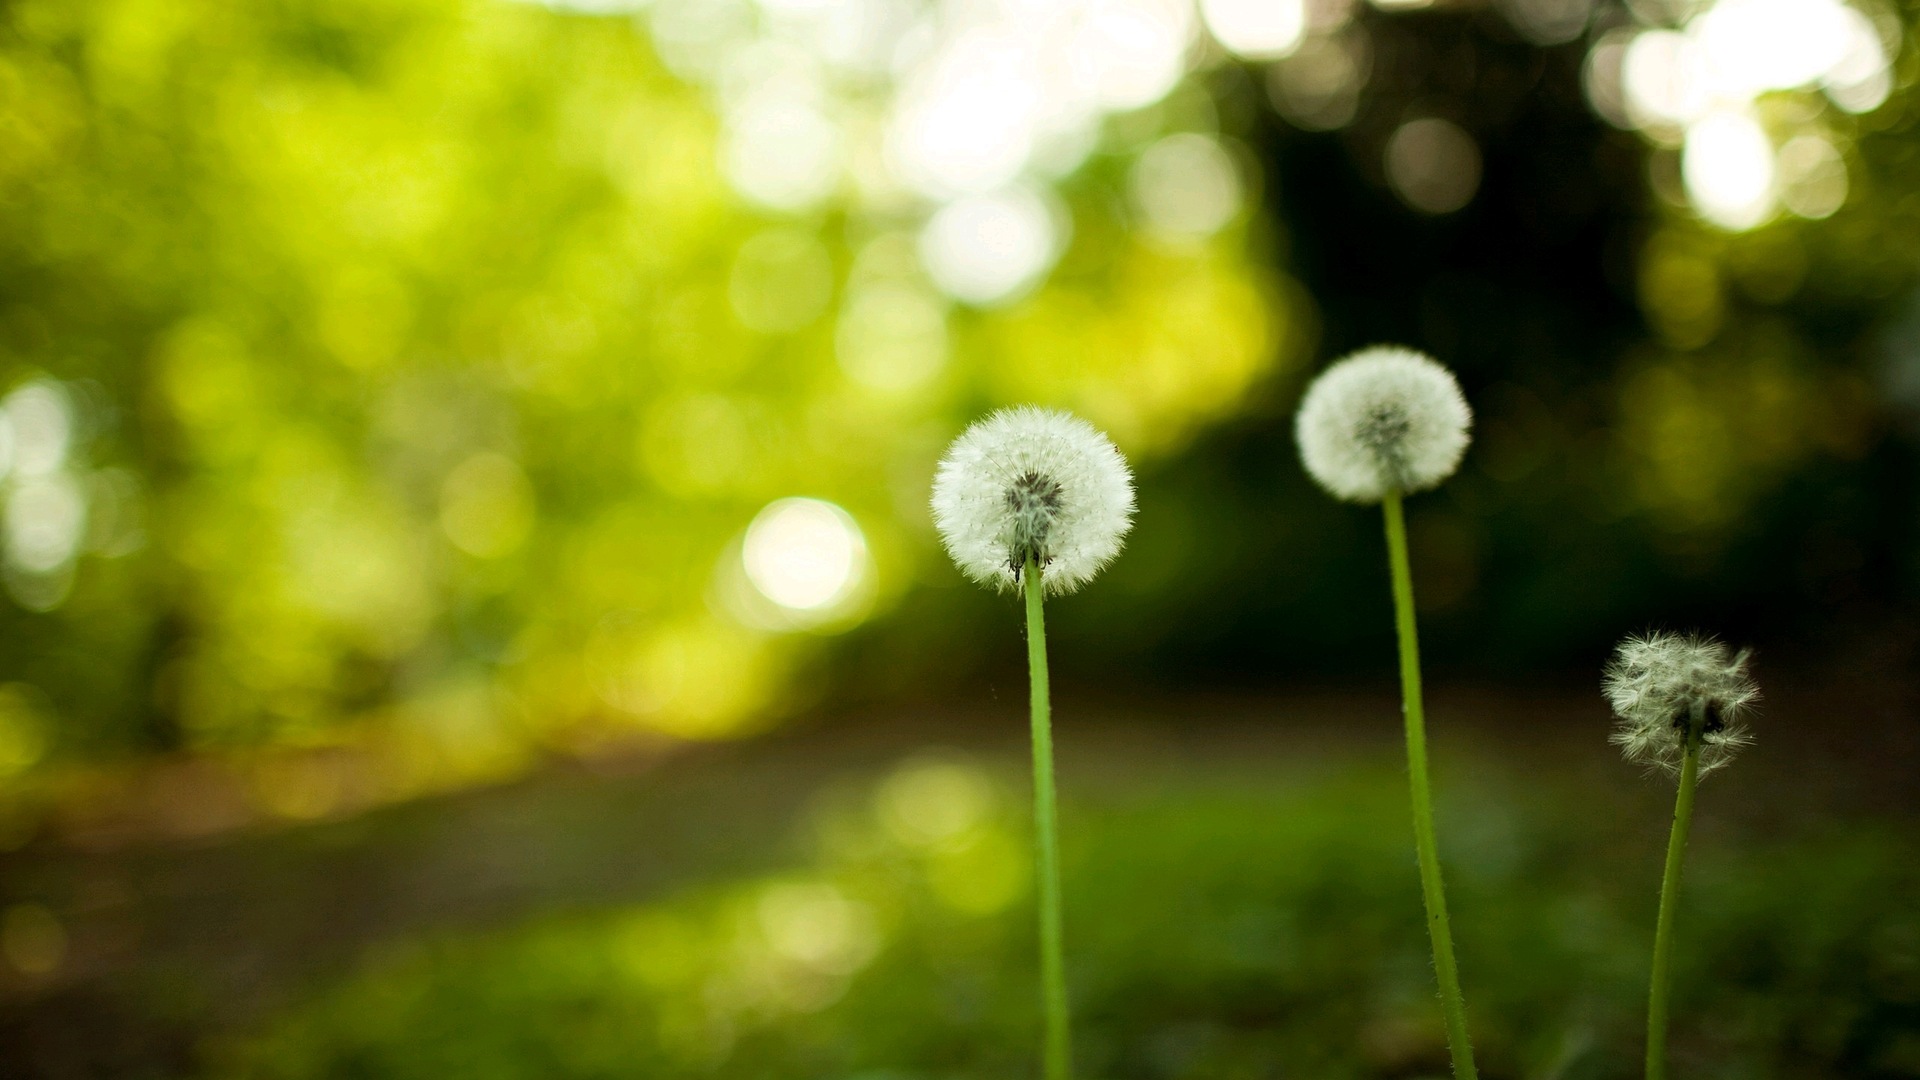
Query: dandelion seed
[(1377, 425), (1658, 683), (1037, 499), (1384, 419), (1033, 483), (1680, 700)]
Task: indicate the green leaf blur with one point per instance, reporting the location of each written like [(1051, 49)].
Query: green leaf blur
[(424, 374)]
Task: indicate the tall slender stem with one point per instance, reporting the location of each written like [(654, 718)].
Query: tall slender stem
[(1662, 985), (1431, 887), (1058, 1054)]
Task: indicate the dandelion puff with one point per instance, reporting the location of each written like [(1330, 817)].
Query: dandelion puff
[(1384, 419), (1680, 700), (1029, 482), (1029, 487), (1654, 684), (1379, 424)]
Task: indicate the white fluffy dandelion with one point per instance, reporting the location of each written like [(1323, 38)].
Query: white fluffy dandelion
[(1680, 699), (1657, 684), (1384, 419), (1029, 482), (1379, 424), (1034, 487)]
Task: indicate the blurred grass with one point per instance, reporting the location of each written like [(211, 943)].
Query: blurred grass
[(1245, 913)]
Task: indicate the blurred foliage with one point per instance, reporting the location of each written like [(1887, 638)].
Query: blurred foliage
[(1247, 929), (1676, 424), (389, 392), (405, 377), (421, 375)]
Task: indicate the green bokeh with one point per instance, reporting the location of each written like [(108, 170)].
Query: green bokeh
[(422, 370), (1232, 924)]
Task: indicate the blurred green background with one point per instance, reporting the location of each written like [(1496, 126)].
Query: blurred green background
[(420, 409)]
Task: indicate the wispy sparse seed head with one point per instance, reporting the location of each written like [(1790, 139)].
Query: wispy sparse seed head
[(1033, 482), (1384, 419), (1655, 682)]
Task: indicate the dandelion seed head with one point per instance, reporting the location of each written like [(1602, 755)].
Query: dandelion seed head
[(1654, 683), (1029, 482), (1384, 419)]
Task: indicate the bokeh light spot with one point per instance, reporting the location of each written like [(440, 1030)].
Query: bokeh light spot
[(696, 679), (23, 728), (1256, 29), (486, 505), (1693, 79), (990, 248), (1752, 46), (1728, 168), (1318, 88), (1186, 187), (1130, 51), (1662, 80), (815, 924), (966, 123), (930, 803), (1433, 165), (1604, 77), (892, 337), (1549, 22), (40, 415), (1813, 179), (1860, 80), (805, 555), (781, 152), (46, 518)]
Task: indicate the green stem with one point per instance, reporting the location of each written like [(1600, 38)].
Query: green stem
[(1431, 887), (1053, 977), (1662, 986)]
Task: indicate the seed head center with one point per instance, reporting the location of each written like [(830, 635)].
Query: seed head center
[(1384, 427), (1033, 501), (1384, 430)]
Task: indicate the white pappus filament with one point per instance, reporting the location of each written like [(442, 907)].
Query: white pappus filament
[(1033, 483), (1656, 685), (1383, 419)]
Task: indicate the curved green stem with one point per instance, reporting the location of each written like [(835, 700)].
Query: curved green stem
[(1660, 991), (1058, 1054), (1445, 968)]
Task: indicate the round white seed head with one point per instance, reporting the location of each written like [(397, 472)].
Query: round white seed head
[(1384, 419), (1032, 482), (1654, 684)]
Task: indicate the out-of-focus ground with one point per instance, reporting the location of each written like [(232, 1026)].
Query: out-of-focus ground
[(158, 949)]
